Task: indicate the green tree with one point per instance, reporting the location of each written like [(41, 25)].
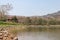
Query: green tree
[(15, 19)]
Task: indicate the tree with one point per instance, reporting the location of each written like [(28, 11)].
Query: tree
[(57, 22), (28, 20), (4, 10), (15, 19), (52, 22), (44, 22), (34, 20), (40, 21)]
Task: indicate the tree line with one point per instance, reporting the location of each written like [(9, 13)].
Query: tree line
[(4, 9), (38, 21)]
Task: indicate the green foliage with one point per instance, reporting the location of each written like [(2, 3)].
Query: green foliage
[(15, 19), (1, 22), (7, 23)]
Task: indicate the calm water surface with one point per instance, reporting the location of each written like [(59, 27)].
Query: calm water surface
[(39, 36)]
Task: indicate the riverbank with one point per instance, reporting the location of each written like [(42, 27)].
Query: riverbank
[(5, 35), (14, 29)]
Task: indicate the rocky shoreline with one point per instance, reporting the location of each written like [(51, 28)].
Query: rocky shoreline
[(5, 35)]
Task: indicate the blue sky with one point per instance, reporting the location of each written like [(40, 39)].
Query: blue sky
[(32, 7)]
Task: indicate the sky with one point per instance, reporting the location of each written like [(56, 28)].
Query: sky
[(32, 7)]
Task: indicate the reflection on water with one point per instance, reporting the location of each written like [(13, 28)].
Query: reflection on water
[(39, 36)]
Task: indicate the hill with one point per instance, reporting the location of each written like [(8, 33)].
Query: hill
[(55, 15)]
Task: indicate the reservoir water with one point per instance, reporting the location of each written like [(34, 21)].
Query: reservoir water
[(55, 35)]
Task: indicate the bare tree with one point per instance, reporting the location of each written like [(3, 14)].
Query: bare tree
[(4, 10)]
